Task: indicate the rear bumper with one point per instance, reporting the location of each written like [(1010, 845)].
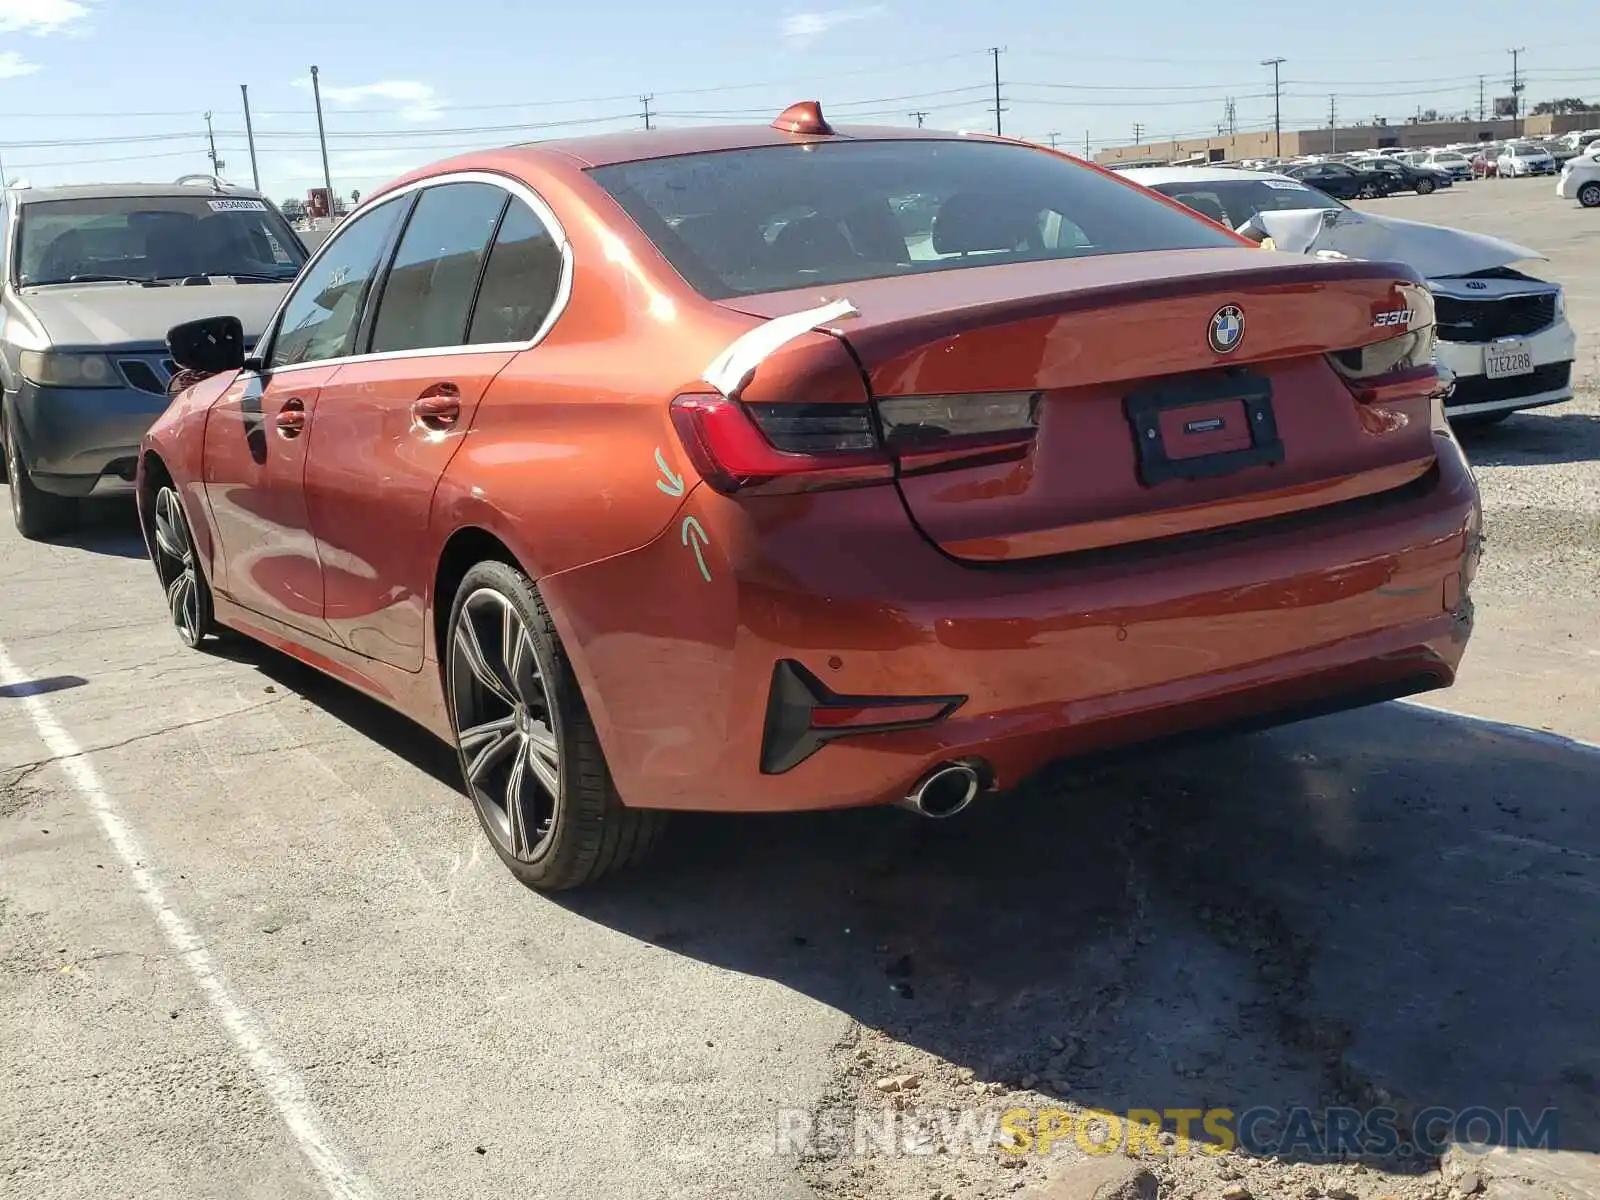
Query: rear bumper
[(1062, 658), (72, 437)]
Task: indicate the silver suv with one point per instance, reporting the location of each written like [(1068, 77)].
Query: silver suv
[(94, 276)]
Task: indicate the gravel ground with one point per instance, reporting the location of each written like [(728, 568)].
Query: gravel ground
[(1394, 907)]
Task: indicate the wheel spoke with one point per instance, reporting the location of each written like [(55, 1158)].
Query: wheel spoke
[(516, 816), (471, 651), (475, 736), (544, 759), (495, 748), (171, 537)]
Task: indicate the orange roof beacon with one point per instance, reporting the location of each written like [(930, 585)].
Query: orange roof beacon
[(795, 467)]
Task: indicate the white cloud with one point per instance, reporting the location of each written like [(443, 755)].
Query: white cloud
[(418, 101), (41, 16), (13, 64), (806, 26)]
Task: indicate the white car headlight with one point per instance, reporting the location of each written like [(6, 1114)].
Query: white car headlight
[(1561, 303), (54, 368)]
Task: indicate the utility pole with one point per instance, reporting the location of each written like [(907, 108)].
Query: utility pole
[(1481, 109), (1138, 132), (645, 100), (1233, 119), (250, 136), (995, 52), (1086, 145), (1052, 138), (322, 138), (1516, 82), (216, 163), (919, 117), (1277, 105), (1333, 124)]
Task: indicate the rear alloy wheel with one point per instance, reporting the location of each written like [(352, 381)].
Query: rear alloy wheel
[(38, 514), (530, 758), (1589, 195), (1369, 191), (188, 594), (1424, 186)]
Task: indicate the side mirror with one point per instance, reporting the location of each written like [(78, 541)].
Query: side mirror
[(211, 345)]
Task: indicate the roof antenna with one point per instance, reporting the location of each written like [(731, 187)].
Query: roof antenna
[(803, 117)]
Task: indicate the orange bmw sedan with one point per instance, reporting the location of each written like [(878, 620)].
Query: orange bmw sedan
[(793, 467)]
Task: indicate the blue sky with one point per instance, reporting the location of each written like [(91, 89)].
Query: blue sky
[(118, 89)]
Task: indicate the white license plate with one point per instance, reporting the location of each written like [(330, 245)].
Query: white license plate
[(1500, 362)]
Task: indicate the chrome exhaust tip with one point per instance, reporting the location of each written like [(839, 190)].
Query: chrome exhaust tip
[(943, 791)]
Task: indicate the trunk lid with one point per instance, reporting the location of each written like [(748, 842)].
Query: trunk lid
[(1143, 429)]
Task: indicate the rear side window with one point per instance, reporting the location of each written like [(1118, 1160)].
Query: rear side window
[(773, 218), (429, 289), (521, 282)]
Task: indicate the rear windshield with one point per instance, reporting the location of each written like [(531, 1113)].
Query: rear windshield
[(739, 222), (1233, 202), (153, 237)]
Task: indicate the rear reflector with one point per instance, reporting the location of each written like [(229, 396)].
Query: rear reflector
[(803, 715), (912, 423)]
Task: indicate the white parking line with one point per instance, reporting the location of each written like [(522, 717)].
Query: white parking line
[(338, 1176)]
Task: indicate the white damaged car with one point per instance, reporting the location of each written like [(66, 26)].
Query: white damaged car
[(1502, 333)]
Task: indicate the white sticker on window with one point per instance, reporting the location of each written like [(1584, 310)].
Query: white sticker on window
[(237, 205), (1283, 185)]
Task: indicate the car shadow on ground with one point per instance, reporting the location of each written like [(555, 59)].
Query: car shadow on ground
[(106, 526), (1391, 908), (1386, 908), (1533, 439)]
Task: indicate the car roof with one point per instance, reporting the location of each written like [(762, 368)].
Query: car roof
[(1151, 176), (605, 149), (105, 191)]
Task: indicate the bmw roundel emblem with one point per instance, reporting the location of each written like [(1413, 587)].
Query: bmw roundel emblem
[(1227, 329)]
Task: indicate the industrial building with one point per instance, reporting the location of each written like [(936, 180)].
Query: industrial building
[(1296, 142)]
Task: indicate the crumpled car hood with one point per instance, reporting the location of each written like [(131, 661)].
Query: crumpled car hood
[(1432, 250)]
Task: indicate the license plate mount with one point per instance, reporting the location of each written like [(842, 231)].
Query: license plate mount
[(1189, 430), (1507, 359)]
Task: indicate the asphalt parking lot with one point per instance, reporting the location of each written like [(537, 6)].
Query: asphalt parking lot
[(252, 943)]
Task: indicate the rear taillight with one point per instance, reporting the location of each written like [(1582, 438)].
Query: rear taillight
[(1393, 369), (928, 431), (738, 447), (779, 447)]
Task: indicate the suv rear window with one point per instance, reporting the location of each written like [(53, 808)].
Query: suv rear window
[(774, 218), (153, 237)]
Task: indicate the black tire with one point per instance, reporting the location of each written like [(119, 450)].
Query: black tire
[(1424, 186), (38, 514), (178, 567), (550, 837), (1589, 195)]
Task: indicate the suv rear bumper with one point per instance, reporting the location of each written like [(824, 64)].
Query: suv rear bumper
[(1048, 659), (76, 441)]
